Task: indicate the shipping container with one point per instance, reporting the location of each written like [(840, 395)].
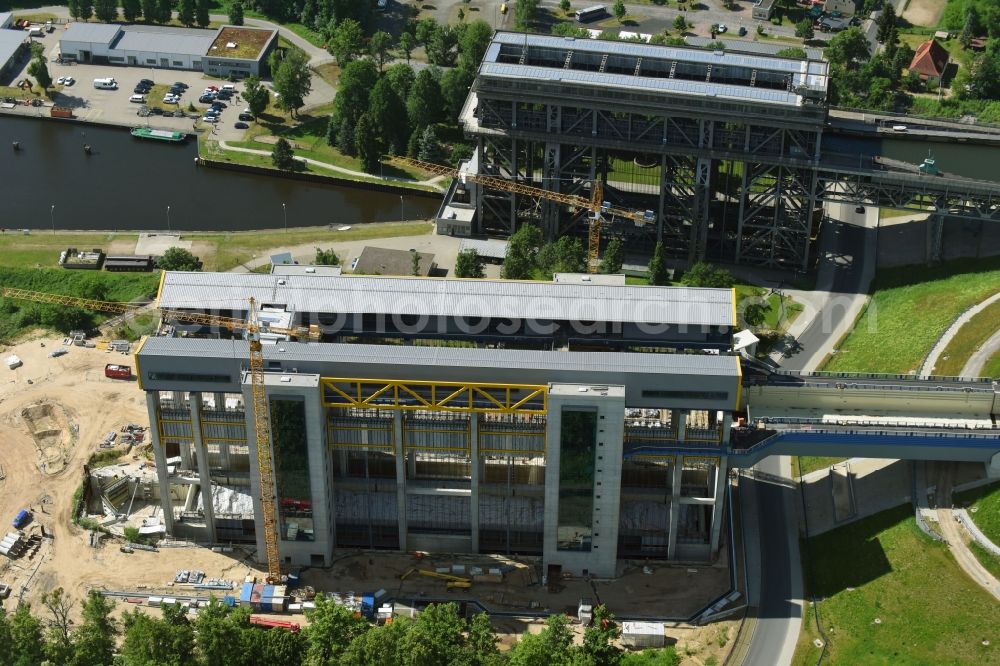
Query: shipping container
[(643, 634)]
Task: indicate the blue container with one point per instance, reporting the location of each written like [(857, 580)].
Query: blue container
[(22, 517), (246, 592), (229, 600)]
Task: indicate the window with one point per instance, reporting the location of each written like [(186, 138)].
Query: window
[(178, 63), (577, 439), (188, 377), (699, 395), (150, 61)]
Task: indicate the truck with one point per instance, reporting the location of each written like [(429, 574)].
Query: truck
[(116, 371), (21, 519)]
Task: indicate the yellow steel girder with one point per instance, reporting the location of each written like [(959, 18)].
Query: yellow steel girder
[(441, 396)]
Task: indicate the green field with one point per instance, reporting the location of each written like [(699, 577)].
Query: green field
[(21, 316), (802, 465), (885, 568), (910, 308), (967, 340), (992, 368), (985, 501)]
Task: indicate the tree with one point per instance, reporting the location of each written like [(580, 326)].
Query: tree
[(201, 16), (347, 41), (389, 114), (564, 6), (256, 96), (524, 14), (331, 630), (406, 45), (754, 313), (106, 10), (380, 46), (424, 103), (566, 255), (619, 10), (680, 23), (153, 641), (164, 11), (59, 605), (886, 24), (401, 77), (522, 250), (792, 52), (85, 9), (40, 70), (236, 12), (472, 45), (344, 136), (73, 6), (551, 646), (703, 274), (185, 12), (614, 255), (26, 638), (659, 274), (425, 30), (436, 637), (382, 645), (354, 87), (178, 259), (469, 264), (292, 80), (440, 47), (599, 637), (219, 629), (326, 257), (131, 10), (282, 155), (414, 263), (94, 641), (150, 11), (431, 149), (455, 84), (368, 143), (848, 48), (804, 29), (482, 641)]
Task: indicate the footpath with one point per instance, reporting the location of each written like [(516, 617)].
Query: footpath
[(927, 369)]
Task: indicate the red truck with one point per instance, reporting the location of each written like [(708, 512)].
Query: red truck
[(115, 371)]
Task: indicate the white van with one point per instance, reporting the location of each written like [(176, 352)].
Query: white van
[(35, 31), (229, 87), (106, 84), (138, 99)]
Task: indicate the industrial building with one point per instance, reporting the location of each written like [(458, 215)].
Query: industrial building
[(585, 423), (724, 154), (482, 422), (13, 43), (227, 50)]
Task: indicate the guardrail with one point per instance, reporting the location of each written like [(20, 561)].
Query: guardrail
[(875, 375)]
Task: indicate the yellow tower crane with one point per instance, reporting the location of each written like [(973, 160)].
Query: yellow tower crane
[(598, 208), (252, 326)]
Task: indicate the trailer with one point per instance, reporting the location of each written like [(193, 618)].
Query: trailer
[(268, 623), (115, 371)]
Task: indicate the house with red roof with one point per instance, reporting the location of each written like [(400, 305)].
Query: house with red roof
[(930, 61)]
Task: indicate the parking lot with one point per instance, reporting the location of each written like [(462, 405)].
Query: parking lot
[(113, 106)]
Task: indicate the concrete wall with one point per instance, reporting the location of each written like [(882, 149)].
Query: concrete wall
[(954, 404), (602, 559)]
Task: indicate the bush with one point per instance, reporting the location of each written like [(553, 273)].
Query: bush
[(132, 534)]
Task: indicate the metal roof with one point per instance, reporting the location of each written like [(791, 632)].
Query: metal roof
[(459, 357), (494, 248), (451, 297), (94, 33), (684, 54), (625, 82), (746, 46), (10, 42), (5, 17), (165, 39)]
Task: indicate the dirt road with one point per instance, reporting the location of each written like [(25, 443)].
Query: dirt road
[(57, 410)]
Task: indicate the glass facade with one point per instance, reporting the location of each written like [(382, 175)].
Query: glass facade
[(291, 469), (578, 443)]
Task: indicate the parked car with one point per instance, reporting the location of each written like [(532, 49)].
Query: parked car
[(181, 84), (721, 28), (742, 31), (246, 116), (241, 126), (146, 82), (68, 81), (218, 105), (210, 119), (171, 99), (212, 88), (205, 99), (156, 111), (137, 99), (140, 90)]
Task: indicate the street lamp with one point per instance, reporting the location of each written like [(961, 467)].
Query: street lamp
[(284, 212), (401, 216), (52, 217), (168, 218)]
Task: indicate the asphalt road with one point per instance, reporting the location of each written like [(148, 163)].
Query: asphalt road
[(843, 250), (780, 605)]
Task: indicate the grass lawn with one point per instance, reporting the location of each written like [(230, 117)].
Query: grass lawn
[(885, 568), (228, 250), (802, 465), (992, 368), (910, 307), (41, 249), (985, 501), (969, 338), (20, 316), (989, 561)]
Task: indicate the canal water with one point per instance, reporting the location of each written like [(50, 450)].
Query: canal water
[(981, 162), (128, 183)]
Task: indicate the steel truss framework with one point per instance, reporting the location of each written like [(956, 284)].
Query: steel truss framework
[(764, 212), (434, 396)]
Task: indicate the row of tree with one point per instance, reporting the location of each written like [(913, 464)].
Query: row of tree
[(189, 12), (223, 636), (319, 15), (393, 110)]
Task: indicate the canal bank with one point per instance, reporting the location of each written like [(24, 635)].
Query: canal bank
[(124, 183)]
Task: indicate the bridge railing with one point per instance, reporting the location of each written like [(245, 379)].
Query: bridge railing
[(811, 425), (935, 119), (875, 375)]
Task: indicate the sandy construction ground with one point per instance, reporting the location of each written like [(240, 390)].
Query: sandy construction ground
[(926, 13), (53, 414)]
